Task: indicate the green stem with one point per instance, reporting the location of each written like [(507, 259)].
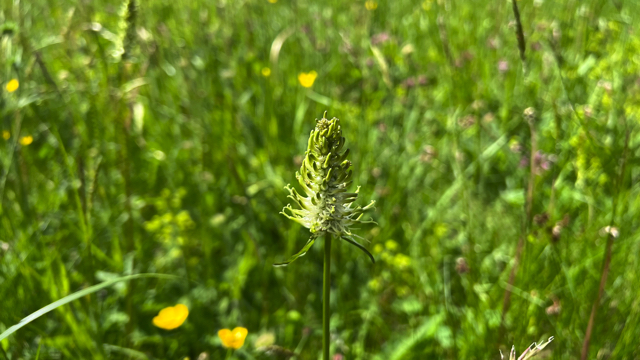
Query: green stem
[(228, 354), (326, 295)]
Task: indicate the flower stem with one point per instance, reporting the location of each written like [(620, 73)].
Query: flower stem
[(326, 295), (228, 354)]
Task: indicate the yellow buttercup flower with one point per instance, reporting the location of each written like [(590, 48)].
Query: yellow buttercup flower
[(266, 71), (307, 79), (273, 1), (233, 339), (26, 140), (371, 5), (6, 135), (171, 317), (12, 85)]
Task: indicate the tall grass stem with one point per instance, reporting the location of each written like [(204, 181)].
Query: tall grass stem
[(606, 262), (526, 225), (522, 46)]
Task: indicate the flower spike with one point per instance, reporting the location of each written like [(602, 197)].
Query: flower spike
[(324, 176)]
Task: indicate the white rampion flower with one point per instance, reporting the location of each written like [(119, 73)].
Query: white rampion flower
[(327, 209)]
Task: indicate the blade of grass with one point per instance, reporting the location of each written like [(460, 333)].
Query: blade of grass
[(134, 354), (75, 296)]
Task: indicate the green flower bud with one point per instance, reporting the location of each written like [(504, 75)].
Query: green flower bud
[(327, 209)]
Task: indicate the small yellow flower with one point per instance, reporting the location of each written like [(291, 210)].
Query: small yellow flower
[(233, 338), (171, 317), (266, 71), (26, 140), (307, 79), (273, 1), (12, 85), (6, 135), (371, 5)]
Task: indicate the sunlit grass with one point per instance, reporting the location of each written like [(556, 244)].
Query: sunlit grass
[(157, 137)]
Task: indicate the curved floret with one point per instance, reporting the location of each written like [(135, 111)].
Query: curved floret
[(327, 208)]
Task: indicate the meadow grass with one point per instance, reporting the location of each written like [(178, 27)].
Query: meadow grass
[(157, 137)]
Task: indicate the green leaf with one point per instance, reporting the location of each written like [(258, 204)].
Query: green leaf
[(356, 244), (75, 296), (300, 253)]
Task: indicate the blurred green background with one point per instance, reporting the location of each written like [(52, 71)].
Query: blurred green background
[(157, 137)]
